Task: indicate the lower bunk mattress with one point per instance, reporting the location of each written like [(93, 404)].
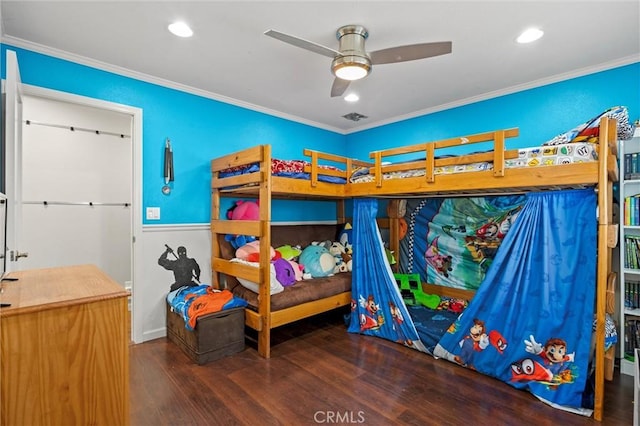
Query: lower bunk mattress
[(302, 292)]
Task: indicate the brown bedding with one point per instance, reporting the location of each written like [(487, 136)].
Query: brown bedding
[(302, 291)]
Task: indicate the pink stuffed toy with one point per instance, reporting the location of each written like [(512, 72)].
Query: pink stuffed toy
[(251, 252), (298, 269), (244, 210)]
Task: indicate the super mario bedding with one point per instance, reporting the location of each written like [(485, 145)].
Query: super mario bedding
[(285, 168), (530, 321)]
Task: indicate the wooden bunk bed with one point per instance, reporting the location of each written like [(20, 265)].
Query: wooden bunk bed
[(599, 174), (265, 186)]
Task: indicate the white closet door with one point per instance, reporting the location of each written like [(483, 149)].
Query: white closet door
[(77, 186), (12, 161)]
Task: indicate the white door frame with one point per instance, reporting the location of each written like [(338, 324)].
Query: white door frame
[(13, 90), (136, 139)]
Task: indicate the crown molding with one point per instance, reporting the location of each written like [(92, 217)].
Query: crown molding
[(103, 66), (60, 54), (507, 91)]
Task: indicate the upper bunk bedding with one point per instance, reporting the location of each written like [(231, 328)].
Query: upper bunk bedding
[(295, 169), (528, 157), (253, 171), (573, 154)]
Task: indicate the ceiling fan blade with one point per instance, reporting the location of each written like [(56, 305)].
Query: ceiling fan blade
[(302, 43), (410, 52), (339, 87)]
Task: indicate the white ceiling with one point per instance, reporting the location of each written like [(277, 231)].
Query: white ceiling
[(230, 59)]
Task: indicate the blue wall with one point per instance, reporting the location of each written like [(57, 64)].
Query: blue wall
[(539, 113), (201, 128)]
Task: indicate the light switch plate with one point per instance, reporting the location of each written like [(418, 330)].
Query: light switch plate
[(153, 213)]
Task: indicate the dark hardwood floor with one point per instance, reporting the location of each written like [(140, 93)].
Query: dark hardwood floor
[(320, 374)]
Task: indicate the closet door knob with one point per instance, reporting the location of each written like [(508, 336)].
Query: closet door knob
[(17, 255)]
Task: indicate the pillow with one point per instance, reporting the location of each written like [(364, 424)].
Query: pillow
[(589, 131), (360, 171), (276, 287)]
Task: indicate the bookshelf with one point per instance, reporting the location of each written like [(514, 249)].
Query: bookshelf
[(629, 285)]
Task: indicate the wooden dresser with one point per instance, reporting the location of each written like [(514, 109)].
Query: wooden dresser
[(64, 356)]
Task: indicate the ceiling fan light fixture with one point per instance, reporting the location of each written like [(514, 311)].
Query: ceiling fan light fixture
[(352, 61), (351, 68)]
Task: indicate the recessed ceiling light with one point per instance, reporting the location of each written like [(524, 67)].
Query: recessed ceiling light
[(180, 29), (530, 35), (352, 97)]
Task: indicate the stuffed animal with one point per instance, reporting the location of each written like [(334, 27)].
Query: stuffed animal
[(251, 252), (345, 238), (337, 250), (347, 262), (317, 261), (285, 274), (244, 210), (238, 241), (326, 244), (298, 270), (289, 252)]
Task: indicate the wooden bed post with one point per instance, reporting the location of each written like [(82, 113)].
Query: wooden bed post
[(341, 216), (264, 300), (393, 211), (215, 247), (605, 217)]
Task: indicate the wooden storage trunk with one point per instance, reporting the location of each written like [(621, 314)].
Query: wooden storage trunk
[(216, 335)]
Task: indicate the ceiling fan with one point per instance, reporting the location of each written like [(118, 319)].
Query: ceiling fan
[(352, 62)]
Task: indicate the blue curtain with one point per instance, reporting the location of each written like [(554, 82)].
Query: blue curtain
[(452, 241), (530, 322), (377, 307)]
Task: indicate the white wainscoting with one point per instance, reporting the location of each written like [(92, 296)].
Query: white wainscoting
[(151, 290)]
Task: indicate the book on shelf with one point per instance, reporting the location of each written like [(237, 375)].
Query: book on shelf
[(631, 336), (632, 166), (632, 251), (632, 210), (631, 294)]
